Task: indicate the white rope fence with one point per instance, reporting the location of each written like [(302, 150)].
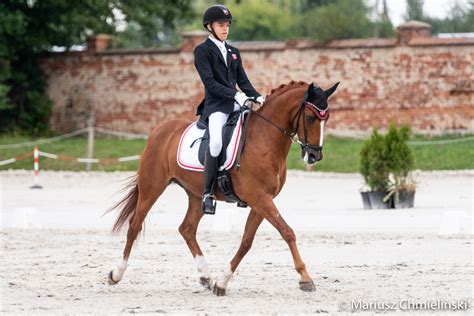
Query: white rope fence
[(361, 136), (355, 135), (121, 134), (86, 160), (25, 155), (440, 142), (17, 158), (72, 134), (46, 140), (70, 158)]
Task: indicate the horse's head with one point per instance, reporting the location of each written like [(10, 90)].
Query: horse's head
[(309, 122)]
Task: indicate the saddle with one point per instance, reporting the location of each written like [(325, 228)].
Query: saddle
[(195, 141), (227, 131)]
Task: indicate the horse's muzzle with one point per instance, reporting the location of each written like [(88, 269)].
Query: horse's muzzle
[(312, 155)]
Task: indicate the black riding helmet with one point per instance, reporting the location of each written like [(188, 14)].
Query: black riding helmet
[(216, 13)]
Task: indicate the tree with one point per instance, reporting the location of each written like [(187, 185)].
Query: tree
[(459, 19), (383, 27), (338, 20), (30, 28), (415, 10), (261, 20)]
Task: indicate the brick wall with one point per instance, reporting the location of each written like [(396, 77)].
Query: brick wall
[(415, 78)]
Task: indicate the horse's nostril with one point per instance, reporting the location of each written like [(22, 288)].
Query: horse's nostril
[(311, 159), (319, 156)]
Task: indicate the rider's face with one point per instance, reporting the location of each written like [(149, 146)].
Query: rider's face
[(222, 29)]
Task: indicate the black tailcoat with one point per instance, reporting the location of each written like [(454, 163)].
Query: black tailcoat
[(220, 80)]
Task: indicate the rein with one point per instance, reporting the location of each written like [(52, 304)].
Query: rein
[(323, 115)]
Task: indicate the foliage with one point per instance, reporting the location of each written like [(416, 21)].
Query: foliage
[(30, 28), (338, 20), (286, 19), (261, 20), (459, 18), (340, 154), (383, 27), (400, 158), (373, 163), (414, 10), (385, 161)]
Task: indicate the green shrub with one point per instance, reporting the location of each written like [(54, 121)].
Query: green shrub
[(373, 163), (386, 161), (399, 155)]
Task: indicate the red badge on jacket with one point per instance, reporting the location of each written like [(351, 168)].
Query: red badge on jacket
[(234, 56)]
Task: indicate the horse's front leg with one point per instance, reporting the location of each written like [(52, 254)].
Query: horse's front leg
[(267, 209), (253, 222), (188, 230)]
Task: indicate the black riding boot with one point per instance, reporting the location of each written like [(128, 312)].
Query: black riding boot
[(210, 174)]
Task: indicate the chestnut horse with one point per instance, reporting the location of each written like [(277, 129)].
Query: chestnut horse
[(295, 109)]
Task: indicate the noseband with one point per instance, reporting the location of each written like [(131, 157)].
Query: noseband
[(322, 115)]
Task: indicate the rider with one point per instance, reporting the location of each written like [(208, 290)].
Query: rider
[(220, 67)]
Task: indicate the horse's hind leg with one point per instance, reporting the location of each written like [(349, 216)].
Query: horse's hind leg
[(253, 222), (188, 230), (149, 191)]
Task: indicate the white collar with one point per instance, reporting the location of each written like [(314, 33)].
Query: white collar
[(220, 45)]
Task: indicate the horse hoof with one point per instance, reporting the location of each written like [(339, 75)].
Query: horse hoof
[(111, 279), (307, 286), (205, 282), (218, 291)]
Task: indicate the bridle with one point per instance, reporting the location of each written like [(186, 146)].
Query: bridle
[(322, 115)]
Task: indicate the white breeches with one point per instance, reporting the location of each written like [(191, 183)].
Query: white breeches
[(217, 121)]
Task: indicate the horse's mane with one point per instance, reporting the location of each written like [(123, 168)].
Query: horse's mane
[(284, 88)]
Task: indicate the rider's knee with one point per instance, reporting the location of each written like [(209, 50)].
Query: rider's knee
[(215, 148)]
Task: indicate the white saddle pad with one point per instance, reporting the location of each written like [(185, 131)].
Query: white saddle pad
[(188, 156)]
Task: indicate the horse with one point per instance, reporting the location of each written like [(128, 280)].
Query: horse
[(294, 109)]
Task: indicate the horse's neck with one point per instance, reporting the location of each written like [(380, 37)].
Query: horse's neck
[(279, 111)]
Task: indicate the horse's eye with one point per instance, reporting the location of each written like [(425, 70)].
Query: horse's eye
[(311, 119)]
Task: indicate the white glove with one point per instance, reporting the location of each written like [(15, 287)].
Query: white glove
[(240, 98), (260, 100), (257, 104)]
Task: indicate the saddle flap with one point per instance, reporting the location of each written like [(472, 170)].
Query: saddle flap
[(227, 133), (195, 140)]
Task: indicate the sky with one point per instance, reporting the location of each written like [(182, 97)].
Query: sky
[(433, 8)]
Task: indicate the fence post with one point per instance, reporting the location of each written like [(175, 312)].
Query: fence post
[(90, 140), (36, 168)]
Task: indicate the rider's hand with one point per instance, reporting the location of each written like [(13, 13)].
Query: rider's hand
[(240, 98), (257, 104)]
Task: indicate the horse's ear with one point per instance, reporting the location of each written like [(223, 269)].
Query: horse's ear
[(331, 90), (311, 93)]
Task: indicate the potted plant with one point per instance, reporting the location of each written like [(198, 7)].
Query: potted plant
[(386, 163), (374, 169), (400, 164)]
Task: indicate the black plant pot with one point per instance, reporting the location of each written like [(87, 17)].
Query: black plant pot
[(376, 200), (406, 199), (366, 200)]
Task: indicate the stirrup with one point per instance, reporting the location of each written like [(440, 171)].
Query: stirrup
[(208, 204)]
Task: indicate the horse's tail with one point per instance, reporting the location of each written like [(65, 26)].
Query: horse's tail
[(127, 204)]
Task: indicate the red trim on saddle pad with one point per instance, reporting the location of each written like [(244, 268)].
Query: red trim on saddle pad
[(227, 166)]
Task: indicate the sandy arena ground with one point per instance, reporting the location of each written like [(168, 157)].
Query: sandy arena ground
[(57, 250)]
